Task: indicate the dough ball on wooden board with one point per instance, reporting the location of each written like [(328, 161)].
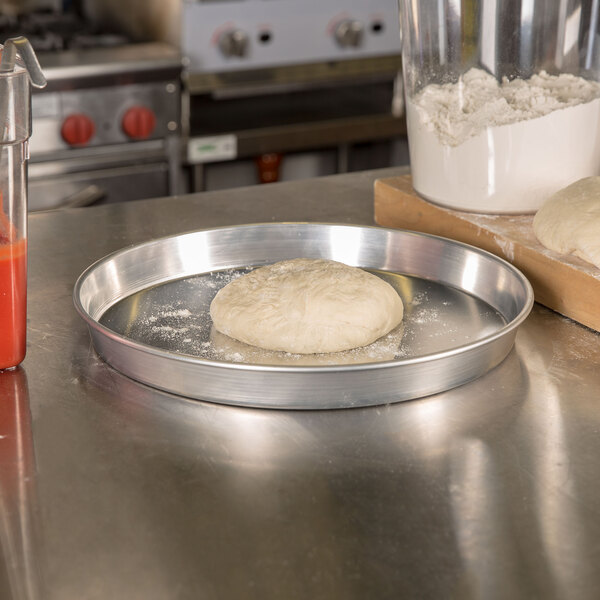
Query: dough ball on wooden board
[(307, 306), (569, 222)]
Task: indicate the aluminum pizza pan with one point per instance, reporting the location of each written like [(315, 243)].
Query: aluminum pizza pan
[(147, 306)]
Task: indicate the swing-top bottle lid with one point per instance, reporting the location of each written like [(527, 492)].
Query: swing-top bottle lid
[(19, 69)]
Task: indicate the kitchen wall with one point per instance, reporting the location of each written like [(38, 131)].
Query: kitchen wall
[(15, 7), (143, 20)]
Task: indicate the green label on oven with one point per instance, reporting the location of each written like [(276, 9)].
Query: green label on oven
[(212, 149)]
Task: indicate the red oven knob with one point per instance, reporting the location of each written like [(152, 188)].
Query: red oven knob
[(77, 129), (139, 122)]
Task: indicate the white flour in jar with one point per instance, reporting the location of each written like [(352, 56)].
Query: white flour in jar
[(503, 148)]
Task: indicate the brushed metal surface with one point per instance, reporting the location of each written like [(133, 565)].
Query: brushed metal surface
[(470, 335), (488, 490), (139, 62)]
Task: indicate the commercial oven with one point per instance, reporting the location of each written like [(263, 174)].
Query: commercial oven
[(277, 86), (107, 126)]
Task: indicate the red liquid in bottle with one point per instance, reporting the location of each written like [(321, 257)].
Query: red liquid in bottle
[(13, 301)]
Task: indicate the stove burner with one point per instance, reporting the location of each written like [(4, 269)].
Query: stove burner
[(50, 31)]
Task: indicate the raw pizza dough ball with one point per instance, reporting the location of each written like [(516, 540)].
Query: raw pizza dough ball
[(569, 222), (383, 349), (307, 306)]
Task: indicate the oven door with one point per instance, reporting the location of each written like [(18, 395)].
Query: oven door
[(104, 177), (133, 182)]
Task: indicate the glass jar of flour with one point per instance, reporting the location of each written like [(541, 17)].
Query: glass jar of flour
[(502, 99)]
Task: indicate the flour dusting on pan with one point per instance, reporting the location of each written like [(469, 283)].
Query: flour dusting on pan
[(175, 317)]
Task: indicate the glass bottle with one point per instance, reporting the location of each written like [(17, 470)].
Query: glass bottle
[(19, 69)]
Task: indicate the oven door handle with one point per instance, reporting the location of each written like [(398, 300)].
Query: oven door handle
[(85, 197)]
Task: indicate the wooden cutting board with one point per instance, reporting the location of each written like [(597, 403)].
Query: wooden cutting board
[(563, 283)]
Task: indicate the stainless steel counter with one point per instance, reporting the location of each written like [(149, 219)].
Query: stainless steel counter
[(113, 490)]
